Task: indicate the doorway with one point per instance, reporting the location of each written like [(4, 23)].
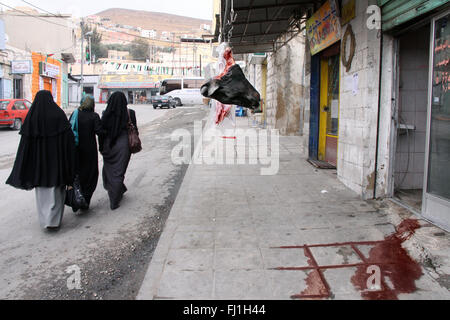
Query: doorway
[(329, 105), (411, 116)]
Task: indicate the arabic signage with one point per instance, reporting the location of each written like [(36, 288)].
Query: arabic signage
[(21, 67), (48, 70), (324, 29)]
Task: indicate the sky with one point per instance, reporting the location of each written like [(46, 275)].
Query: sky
[(201, 9)]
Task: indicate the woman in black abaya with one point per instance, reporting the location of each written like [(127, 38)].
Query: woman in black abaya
[(45, 158), (114, 146), (88, 125)]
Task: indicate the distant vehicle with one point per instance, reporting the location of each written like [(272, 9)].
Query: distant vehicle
[(185, 91), (13, 112), (163, 102)]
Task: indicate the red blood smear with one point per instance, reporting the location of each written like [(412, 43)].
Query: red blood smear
[(315, 289), (396, 264), (222, 111), (228, 55)]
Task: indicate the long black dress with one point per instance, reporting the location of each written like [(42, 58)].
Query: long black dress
[(46, 154), (114, 147), (89, 126)]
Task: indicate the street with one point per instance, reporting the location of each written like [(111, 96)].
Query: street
[(112, 249)]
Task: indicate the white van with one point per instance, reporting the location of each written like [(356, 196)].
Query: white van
[(185, 91)]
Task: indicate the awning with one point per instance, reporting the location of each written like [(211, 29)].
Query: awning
[(259, 24), (129, 85), (130, 82)]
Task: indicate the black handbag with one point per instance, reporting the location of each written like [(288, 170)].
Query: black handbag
[(74, 196)]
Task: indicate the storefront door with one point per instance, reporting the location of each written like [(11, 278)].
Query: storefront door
[(329, 109), (437, 182)]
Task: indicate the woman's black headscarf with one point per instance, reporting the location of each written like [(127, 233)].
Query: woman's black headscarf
[(46, 153), (45, 118), (115, 117)]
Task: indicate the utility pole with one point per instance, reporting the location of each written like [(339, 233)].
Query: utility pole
[(90, 50), (82, 59)]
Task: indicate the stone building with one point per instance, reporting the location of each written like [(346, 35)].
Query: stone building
[(364, 82)]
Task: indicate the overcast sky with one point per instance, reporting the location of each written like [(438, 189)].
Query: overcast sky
[(201, 9)]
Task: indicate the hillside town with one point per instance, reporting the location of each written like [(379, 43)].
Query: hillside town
[(107, 55), (251, 150)]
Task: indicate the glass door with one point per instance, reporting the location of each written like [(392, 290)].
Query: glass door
[(437, 179)]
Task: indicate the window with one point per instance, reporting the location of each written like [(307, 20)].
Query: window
[(170, 85), (19, 105), (27, 104), (4, 105), (17, 89)]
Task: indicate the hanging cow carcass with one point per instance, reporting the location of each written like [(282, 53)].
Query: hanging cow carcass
[(231, 87)]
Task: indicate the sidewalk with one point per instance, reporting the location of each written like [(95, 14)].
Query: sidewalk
[(236, 235)]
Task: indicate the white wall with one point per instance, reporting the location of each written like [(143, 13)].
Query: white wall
[(286, 88), (359, 113)]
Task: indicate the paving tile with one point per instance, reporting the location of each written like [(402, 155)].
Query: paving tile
[(241, 285), (328, 256), (340, 281), (284, 258), (285, 284), (230, 238), (231, 210), (238, 259), (186, 285), (190, 260), (193, 240)]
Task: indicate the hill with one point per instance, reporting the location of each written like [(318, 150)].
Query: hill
[(155, 20)]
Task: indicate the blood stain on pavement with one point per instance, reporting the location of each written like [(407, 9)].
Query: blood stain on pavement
[(395, 264)]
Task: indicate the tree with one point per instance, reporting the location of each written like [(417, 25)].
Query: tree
[(140, 50), (98, 49)]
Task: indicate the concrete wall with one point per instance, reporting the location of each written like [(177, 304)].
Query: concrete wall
[(47, 37), (286, 88), (359, 112), (387, 131)]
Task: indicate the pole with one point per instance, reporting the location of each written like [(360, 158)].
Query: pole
[(82, 59), (90, 49)]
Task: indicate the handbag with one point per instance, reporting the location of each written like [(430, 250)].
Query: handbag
[(133, 137), (74, 196)]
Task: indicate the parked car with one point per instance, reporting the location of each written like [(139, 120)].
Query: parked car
[(163, 102), (13, 112)]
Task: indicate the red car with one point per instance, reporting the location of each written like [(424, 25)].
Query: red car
[(13, 112)]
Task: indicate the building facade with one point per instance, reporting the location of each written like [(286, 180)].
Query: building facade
[(366, 84)]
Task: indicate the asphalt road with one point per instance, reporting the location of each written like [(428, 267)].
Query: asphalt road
[(112, 249)]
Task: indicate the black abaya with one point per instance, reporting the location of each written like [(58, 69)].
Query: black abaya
[(89, 126), (115, 147), (46, 154)]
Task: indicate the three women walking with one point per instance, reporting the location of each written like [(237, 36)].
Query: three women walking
[(54, 150)]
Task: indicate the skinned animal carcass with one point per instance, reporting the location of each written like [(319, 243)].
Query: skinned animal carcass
[(231, 87)]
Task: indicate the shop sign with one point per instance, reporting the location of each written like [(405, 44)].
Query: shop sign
[(348, 12), (48, 70), (324, 29), (21, 67)]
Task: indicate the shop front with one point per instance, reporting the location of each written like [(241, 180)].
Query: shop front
[(324, 35), (47, 75), (419, 148), (137, 88)]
